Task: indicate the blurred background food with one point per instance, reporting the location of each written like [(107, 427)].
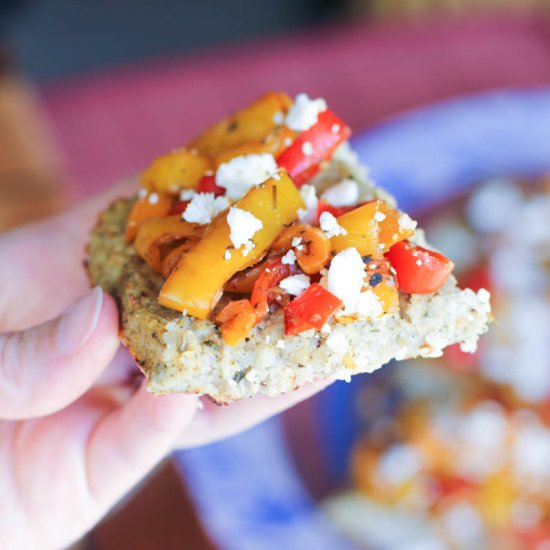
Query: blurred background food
[(90, 92), (463, 456)]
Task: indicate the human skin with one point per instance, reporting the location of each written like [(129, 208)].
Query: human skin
[(77, 427)]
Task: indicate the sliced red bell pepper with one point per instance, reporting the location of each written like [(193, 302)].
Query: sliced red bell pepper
[(310, 310), (321, 139), (272, 275), (208, 185), (324, 206), (418, 270), (178, 207)]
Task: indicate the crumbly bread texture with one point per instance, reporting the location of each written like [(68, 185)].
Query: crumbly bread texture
[(182, 354)]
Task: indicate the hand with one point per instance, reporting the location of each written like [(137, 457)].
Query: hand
[(77, 427)]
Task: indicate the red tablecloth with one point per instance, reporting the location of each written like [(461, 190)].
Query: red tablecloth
[(111, 124)]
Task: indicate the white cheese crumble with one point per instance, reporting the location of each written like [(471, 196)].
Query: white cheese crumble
[(309, 213), (345, 193), (368, 305), (304, 112), (240, 174), (379, 216), (289, 258), (297, 243), (227, 254), (279, 118), (307, 148), (203, 207), (337, 342), (187, 194), (335, 128), (295, 284), (153, 198), (243, 226), (142, 193), (345, 278), (280, 344), (330, 225), (406, 223)]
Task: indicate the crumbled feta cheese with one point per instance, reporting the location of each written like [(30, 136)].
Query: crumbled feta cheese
[(187, 194), (379, 216), (227, 254), (406, 223), (345, 277), (153, 198), (337, 342), (243, 225), (297, 243), (335, 128), (368, 305), (289, 258), (304, 112), (240, 174), (280, 344), (203, 207), (295, 284), (326, 329), (418, 262), (309, 213), (142, 193), (287, 141), (484, 295), (330, 225), (279, 118), (307, 148), (345, 193)]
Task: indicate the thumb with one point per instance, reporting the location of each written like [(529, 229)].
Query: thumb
[(45, 368)]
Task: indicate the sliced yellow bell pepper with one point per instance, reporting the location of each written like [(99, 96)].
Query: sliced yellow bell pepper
[(250, 124), (156, 234), (197, 282), (143, 209), (275, 143), (180, 169), (372, 229)]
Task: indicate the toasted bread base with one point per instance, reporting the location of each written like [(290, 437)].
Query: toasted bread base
[(183, 354)]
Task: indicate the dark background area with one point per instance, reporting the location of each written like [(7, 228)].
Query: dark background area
[(49, 39)]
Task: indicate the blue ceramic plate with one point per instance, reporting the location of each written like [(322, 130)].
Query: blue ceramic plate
[(248, 489)]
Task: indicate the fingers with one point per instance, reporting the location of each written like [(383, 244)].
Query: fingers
[(45, 368), (130, 441), (215, 422), (42, 269)]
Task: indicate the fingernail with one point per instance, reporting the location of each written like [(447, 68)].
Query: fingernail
[(79, 322)]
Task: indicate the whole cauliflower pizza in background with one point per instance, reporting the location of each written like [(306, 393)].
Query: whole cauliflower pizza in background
[(260, 257)]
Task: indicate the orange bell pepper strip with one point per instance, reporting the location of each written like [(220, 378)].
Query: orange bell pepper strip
[(197, 282), (152, 206), (310, 310), (372, 229), (180, 169), (156, 234), (236, 320), (321, 139), (418, 270), (253, 123), (313, 250)]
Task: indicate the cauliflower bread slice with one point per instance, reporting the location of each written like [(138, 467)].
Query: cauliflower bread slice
[(262, 257), (181, 354)]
